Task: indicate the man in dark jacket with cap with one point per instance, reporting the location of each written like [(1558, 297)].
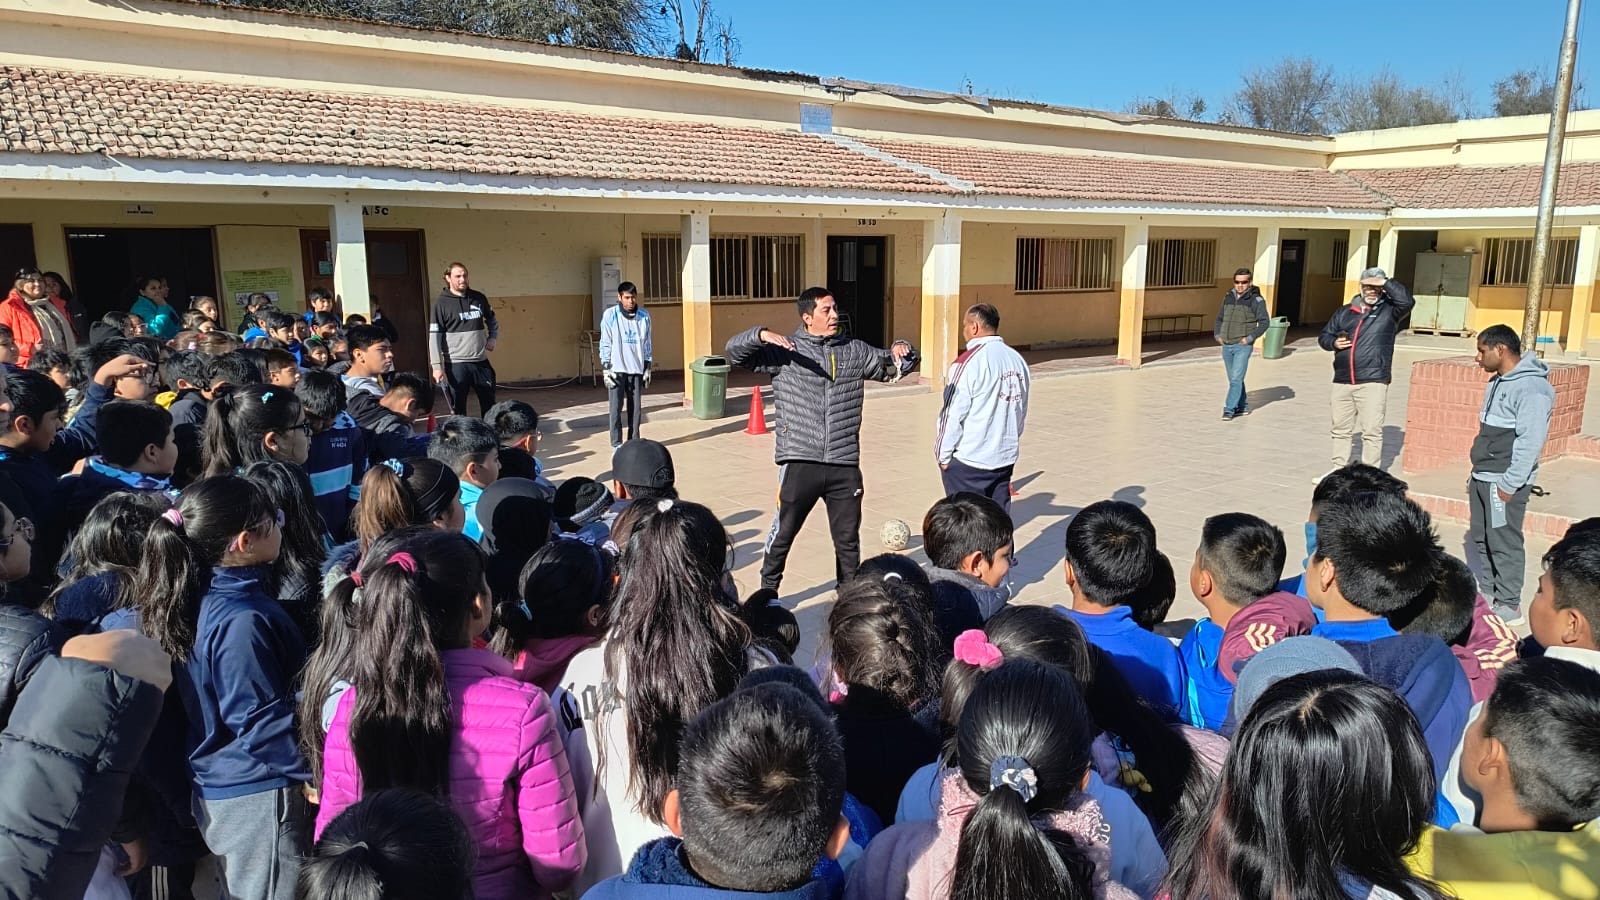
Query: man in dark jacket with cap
[(1361, 337), (817, 379)]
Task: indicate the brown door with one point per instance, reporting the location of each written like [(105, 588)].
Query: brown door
[(395, 278)]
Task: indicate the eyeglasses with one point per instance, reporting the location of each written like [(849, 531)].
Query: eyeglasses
[(307, 428), (21, 528), (1237, 281), (237, 544)]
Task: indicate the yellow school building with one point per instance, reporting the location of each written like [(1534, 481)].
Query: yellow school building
[(234, 151)]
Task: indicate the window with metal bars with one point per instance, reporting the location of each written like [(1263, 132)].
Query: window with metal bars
[(743, 267), (1056, 265), (1182, 263), (1340, 259), (1507, 262), (662, 280)]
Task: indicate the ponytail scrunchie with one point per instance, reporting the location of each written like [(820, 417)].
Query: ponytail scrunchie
[(405, 561), (172, 515), (973, 648), (1015, 773)]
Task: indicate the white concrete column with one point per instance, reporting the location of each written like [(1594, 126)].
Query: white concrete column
[(1583, 289), (1388, 248), (1355, 262), (1266, 265), (1130, 313), (696, 231), (941, 294), (816, 255), (348, 236)]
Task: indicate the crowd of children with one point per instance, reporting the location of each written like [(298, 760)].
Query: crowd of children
[(406, 664)]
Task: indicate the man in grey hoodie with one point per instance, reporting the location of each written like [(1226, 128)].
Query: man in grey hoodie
[(1512, 427)]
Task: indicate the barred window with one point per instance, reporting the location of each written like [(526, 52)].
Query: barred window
[(1063, 264), (1507, 261), (1182, 262), (663, 268), (743, 267), (1341, 259)]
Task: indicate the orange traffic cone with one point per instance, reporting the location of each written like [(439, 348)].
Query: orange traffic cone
[(757, 422)]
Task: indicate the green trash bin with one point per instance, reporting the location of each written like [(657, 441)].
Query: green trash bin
[(1277, 331), (710, 374)]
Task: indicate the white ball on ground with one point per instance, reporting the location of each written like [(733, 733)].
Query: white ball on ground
[(895, 534)]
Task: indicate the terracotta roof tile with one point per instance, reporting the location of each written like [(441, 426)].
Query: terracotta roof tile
[(1481, 187), (53, 111), (1080, 177)]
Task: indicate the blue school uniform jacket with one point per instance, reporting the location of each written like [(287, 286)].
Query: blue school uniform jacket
[(1418, 667), (1147, 660), (335, 463), (658, 872), (238, 689), (1206, 692)]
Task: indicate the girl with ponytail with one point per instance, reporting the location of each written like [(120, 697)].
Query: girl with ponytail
[(1014, 823), (1134, 745), (254, 423), (202, 591), (675, 644), (394, 494), (429, 712)]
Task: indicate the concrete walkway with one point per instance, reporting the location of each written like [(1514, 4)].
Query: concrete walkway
[(1151, 436)]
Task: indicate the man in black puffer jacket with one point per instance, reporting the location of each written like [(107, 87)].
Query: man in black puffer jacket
[(817, 381), (1361, 337)]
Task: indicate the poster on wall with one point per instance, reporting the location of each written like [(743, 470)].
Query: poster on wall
[(276, 284)]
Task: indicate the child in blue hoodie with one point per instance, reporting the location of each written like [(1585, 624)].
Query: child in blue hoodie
[(1376, 556), (1111, 562), (201, 591), (337, 459), (472, 450), (1238, 565), (760, 787)]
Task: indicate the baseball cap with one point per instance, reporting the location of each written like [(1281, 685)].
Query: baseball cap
[(643, 463), (1374, 276)]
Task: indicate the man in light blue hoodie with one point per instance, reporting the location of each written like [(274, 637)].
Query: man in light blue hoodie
[(1512, 427)]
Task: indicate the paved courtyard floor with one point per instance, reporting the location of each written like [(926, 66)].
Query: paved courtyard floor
[(1152, 436)]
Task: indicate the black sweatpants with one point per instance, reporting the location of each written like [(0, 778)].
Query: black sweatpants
[(800, 486), (992, 483), (627, 393), (476, 375)]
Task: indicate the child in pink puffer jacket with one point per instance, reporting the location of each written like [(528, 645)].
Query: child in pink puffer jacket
[(427, 711)]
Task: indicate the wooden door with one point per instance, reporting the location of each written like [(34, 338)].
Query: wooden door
[(395, 279)]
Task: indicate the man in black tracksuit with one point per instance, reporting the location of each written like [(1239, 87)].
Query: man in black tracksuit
[(460, 336), (817, 381)]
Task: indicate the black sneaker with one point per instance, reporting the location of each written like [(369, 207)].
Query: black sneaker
[(1242, 413), (1227, 416)]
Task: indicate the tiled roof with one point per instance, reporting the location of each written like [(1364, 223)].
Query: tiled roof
[(1080, 177), (51, 111), (1481, 187)]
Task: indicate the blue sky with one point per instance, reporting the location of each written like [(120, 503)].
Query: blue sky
[(1102, 53)]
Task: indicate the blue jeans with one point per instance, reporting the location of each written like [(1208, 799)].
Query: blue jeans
[(1236, 359)]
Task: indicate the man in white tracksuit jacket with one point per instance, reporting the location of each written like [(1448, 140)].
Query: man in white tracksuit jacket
[(985, 403), (625, 357)]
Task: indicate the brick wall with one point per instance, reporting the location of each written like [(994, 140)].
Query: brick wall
[(1442, 413)]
